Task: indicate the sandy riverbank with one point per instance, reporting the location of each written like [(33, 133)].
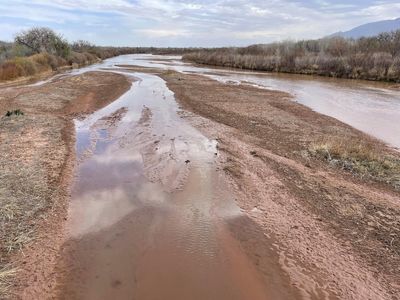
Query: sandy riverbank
[(325, 219), (38, 156)]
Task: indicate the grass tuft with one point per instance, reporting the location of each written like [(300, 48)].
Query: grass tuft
[(360, 157), (6, 275)]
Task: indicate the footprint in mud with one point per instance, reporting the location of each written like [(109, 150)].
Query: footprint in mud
[(164, 158), (164, 164)]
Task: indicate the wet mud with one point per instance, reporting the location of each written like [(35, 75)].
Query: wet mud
[(149, 216)]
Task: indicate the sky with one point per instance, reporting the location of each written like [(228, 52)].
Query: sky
[(190, 23)]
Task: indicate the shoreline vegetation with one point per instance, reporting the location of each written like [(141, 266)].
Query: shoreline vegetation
[(373, 58), (40, 50)]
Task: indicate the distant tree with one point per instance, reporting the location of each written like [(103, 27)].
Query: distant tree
[(335, 46), (42, 39), (82, 46)]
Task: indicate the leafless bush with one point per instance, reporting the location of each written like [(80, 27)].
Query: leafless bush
[(82, 46), (42, 39), (373, 58)]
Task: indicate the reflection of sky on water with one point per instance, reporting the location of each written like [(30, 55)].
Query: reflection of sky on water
[(111, 178)]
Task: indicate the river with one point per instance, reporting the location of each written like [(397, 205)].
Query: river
[(149, 216), (371, 107)]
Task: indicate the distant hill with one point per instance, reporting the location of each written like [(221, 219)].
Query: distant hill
[(370, 29)]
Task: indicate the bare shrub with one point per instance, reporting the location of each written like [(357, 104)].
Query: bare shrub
[(372, 58), (42, 39), (83, 46), (394, 71), (382, 63), (81, 59)]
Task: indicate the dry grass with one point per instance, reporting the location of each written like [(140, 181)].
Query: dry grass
[(28, 66), (361, 157), (30, 145), (38, 63), (15, 240), (32, 155), (6, 275), (26, 192)]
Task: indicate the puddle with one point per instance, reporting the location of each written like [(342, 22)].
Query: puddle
[(149, 213)]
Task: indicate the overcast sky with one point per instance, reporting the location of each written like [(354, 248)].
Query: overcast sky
[(189, 22)]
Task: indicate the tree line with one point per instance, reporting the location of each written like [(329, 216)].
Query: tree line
[(371, 58), (41, 49)]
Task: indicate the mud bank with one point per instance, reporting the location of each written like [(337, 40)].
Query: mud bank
[(334, 232), (38, 154)]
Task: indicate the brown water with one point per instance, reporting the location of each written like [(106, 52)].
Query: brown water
[(150, 215), (372, 107)]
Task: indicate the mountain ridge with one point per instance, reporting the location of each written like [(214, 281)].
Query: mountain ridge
[(369, 29)]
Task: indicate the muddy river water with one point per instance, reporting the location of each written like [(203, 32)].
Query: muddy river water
[(372, 107), (150, 216)]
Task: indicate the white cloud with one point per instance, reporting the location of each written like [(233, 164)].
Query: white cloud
[(197, 23), (161, 33)]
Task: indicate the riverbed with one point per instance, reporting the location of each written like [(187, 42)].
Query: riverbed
[(151, 215)]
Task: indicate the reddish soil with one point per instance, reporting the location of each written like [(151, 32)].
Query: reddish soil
[(41, 142), (333, 229)]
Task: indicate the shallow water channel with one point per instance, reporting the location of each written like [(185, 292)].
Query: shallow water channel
[(150, 215)]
